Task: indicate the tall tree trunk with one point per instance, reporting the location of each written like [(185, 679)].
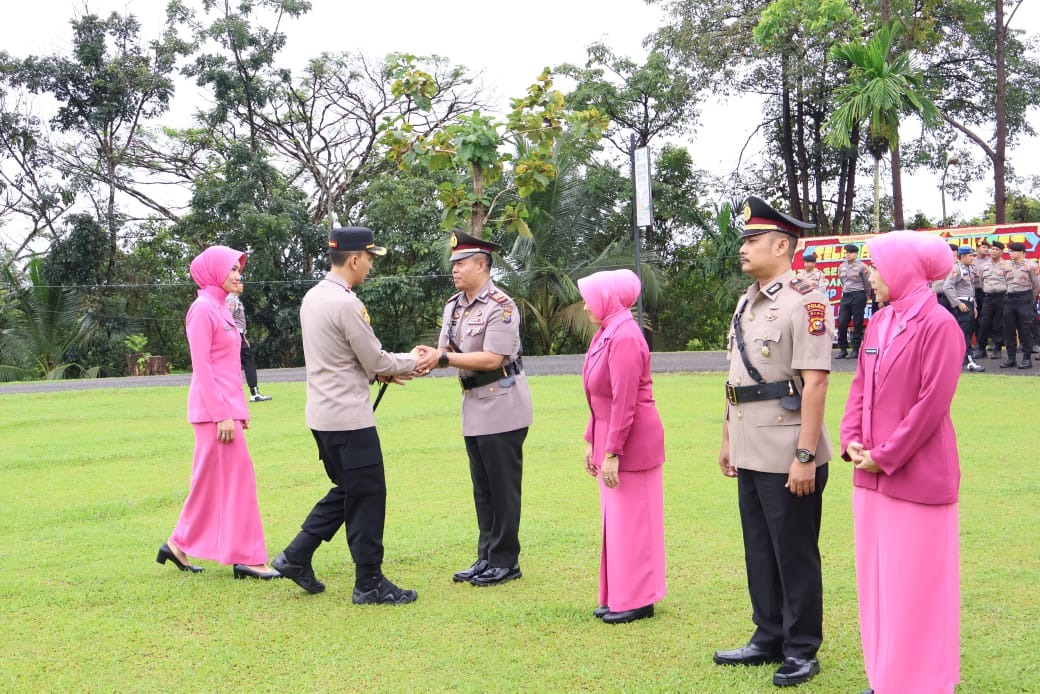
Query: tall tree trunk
[(1000, 115), (787, 139), (877, 195), (897, 189), (850, 181), (477, 217)]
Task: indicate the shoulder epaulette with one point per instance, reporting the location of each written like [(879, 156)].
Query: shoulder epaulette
[(497, 296), (453, 297), (801, 286)]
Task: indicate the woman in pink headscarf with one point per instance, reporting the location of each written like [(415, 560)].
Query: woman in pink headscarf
[(625, 449), (897, 431), (221, 518)]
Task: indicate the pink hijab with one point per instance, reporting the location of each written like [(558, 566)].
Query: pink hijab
[(610, 294), (210, 268), (908, 261)]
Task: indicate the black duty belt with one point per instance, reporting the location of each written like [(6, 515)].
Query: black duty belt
[(761, 391), (483, 378), (1020, 295)]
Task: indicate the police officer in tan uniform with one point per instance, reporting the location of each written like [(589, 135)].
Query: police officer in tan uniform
[(1023, 285), (852, 273), (775, 443), (811, 274), (480, 336), (959, 289), (343, 357), (991, 312)]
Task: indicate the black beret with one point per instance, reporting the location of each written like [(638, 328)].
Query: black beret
[(851, 248), (1017, 246)]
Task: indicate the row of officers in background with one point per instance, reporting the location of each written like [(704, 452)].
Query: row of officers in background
[(992, 297)]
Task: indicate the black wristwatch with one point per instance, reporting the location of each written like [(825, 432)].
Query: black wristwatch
[(804, 455), (443, 361)]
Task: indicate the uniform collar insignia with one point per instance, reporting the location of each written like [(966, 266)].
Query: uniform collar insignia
[(774, 289)]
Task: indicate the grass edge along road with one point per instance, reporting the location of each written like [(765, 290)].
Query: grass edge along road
[(91, 483)]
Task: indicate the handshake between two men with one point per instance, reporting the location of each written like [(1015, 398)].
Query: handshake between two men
[(429, 358)]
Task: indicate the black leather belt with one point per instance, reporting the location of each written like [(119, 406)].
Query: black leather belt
[(483, 378), (1020, 295), (761, 391)]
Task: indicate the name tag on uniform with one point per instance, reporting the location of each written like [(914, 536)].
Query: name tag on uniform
[(871, 350)]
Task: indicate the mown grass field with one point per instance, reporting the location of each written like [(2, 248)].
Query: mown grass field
[(91, 483)]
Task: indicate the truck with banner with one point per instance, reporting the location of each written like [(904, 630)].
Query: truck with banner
[(830, 250)]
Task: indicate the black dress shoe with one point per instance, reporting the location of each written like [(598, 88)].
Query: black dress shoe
[(1008, 364), (1027, 363), (301, 574), (166, 554), (629, 615), (466, 575), (751, 654), (841, 355), (855, 353), (493, 575), (796, 671), (243, 571), (600, 611)]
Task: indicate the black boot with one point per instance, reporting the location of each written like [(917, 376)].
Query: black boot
[(855, 353), (843, 354), (1027, 362), (1009, 363)]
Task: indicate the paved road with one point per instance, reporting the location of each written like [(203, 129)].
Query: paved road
[(661, 362)]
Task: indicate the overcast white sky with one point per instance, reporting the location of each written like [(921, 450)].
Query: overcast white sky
[(511, 46)]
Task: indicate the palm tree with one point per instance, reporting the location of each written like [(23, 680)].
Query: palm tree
[(543, 269), (882, 87), (45, 323)]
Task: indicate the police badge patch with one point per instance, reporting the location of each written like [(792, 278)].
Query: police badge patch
[(817, 318)]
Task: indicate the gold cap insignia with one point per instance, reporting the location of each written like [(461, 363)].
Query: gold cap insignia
[(454, 241), (747, 212)]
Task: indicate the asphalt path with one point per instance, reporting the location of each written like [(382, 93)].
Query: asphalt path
[(569, 364)]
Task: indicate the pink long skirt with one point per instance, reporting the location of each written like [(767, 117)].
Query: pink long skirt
[(908, 576), (220, 520), (631, 573)]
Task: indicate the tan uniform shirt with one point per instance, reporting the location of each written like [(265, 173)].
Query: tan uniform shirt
[(992, 277), (238, 312), (489, 323), (815, 277), (342, 356), (959, 285), (853, 276), (980, 263), (785, 331), (1021, 276)]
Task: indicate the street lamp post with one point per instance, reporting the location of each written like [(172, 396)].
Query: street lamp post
[(942, 186)]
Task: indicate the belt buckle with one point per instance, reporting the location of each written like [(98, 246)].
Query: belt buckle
[(731, 393)]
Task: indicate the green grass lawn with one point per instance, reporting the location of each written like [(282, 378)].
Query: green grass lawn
[(91, 483)]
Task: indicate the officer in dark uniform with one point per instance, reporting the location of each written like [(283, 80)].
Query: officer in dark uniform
[(480, 336), (775, 443)]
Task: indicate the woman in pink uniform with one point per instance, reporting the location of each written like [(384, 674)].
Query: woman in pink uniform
[(897, 431), (220, 520), (625, 448)]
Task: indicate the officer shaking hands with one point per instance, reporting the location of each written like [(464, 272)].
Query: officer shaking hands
[(480, 336), (775, 443)]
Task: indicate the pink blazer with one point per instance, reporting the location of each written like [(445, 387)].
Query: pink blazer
[(899, 406), (619, 390), (216, 391)]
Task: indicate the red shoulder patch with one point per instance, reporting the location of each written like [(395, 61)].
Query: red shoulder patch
[(801, 286), (497, 296), (817, 314)]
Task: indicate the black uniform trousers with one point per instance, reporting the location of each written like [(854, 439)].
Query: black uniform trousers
[(966, 321), (1019, 316), (248, 364), (782, 556), (991, 321), (496, 468), (354, 462), (853, 306)]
